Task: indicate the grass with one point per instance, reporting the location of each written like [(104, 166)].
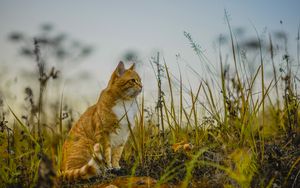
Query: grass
[(234, 129)]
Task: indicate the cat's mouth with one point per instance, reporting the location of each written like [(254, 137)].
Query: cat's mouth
[(135, 92), (140, 90)]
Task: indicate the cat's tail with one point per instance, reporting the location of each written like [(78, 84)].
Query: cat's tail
[(91, 169)]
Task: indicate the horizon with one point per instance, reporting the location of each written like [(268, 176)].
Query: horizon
[(115, 28)]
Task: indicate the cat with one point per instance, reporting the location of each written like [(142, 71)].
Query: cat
[(101, 132)]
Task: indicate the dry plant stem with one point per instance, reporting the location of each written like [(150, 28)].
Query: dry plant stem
[(160, 97), (42, 82)]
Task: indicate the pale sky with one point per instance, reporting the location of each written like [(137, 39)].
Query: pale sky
[(114, 27)]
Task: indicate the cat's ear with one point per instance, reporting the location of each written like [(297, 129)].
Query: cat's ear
[(120, 70), (132, 67)]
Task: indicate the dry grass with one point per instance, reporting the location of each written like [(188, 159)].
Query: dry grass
[(235, 129)]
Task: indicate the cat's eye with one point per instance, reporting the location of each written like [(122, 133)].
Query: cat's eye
[(133, 80)]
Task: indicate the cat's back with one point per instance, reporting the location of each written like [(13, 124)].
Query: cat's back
[(84, 124)]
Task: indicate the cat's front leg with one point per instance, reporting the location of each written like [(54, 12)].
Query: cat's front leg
[(116, 156), (107, 151)]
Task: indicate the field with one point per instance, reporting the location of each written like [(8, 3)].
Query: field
[(236, 128)]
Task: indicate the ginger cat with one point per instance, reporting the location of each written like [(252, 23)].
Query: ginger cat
[(101, 132)]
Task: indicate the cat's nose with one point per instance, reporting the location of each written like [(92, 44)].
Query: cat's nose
[(140, 85)]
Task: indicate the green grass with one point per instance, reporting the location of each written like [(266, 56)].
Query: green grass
[(244, 129)]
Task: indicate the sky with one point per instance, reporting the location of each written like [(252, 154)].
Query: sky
[(115, 27)]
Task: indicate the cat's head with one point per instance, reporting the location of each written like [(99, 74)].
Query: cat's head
[(125, 82)]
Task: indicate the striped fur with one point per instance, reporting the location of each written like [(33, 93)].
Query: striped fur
[(91, 169), (102, 125)]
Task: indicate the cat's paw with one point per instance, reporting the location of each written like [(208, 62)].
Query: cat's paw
[(109, 167), (110, 170), (119, 171), (117, 168)]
